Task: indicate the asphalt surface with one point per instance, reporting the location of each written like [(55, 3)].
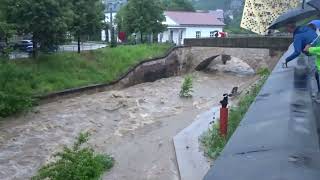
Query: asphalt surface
[(62, 48), (278, 138)]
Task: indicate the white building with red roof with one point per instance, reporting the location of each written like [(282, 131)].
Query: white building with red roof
[(181, 25)]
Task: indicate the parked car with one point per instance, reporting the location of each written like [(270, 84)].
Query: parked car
[(29, 49), (23, 45)]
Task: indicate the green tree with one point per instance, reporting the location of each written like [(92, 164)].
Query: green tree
[(88, 16), (210, 4), (142, 17), (178, 5), (6, 29), (46, 20)]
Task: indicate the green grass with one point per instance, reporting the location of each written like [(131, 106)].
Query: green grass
[(212, 142), (56, 72), (76, 163), (68, 70)]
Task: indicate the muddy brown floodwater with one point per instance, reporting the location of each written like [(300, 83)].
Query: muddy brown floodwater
[(135, 125)]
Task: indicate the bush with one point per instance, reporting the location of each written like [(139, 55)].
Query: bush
[(186, 88), (212, 142), (15, 93), (76, 163)]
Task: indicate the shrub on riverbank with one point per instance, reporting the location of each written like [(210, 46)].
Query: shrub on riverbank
[(76, 163), (15, 94), (186, 87), (60, 71), (212, 142)]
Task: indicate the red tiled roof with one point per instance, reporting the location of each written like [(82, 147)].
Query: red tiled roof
[(194, 18)]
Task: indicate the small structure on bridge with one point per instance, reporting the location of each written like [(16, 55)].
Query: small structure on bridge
[(183, 25)]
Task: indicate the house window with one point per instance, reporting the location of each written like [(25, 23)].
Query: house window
[(198, 34), (212, 34)]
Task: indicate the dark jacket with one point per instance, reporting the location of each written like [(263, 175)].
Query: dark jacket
[(302, 36)]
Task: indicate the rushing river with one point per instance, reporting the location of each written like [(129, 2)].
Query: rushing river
[(135, 125)]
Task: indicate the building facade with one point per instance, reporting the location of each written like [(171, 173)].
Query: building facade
[(181, 25), (111, 9)]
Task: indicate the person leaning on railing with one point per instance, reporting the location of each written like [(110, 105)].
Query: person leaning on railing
[(315, 51), (302, 36)]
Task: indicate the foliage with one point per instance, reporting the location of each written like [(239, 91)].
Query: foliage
[(21, 79), (46, 20), (186, 88), (88, 16), (178, 5), (5, 51), (76, 163), (6, 29), (211, 140), (15, 94), (119, 18), (142, 17), (233, 25), (209, 4)]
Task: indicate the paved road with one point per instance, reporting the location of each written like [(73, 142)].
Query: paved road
[(84, 47), (18, 55), (63, 48)]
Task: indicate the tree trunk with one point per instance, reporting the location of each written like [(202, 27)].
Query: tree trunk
[(79, 44), (141, 37), (34, 47), (107, 35)]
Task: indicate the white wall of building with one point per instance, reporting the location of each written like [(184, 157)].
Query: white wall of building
[(175, 36), (107, 20), (187, 32), (205, 31)]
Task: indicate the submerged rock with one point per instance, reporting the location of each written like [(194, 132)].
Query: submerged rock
[(234, 65)]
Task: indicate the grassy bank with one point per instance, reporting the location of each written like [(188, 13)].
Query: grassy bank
[(212, 142), (21, 79)]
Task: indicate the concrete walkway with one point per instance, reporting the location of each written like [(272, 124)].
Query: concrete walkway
[(191, 160)]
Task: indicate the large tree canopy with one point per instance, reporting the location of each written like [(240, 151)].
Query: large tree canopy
[(6, 29), (142, 16), (49, 21), (178, 5), (46, 20)]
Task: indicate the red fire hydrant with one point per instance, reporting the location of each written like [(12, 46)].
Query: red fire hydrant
[(224, 111)]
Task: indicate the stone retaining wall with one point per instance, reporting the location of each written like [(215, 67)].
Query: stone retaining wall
[(264, 42), (178, 61)]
